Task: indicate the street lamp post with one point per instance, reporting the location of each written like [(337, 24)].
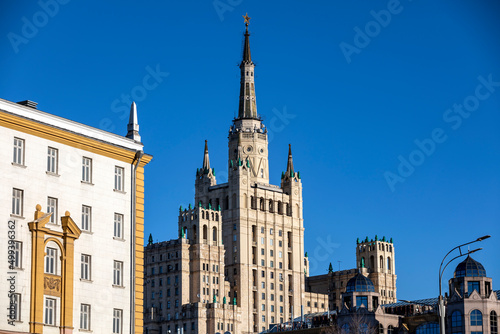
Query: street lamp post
[(441, 306)]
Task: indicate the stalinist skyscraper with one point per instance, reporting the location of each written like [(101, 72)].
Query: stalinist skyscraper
[(264, 264)]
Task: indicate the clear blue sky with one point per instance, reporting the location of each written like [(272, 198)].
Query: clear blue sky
[(358, 103)]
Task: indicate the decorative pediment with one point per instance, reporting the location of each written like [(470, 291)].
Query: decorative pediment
[(474, 295), (40, 219), (493, 296), (69, 226)]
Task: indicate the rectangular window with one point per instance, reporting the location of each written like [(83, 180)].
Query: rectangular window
[(86, 263), (85, 316), (18, 157), (51, 261), (87, 170), (52, 160), (86, 218), (119, 178), (118, 273), (361, 301), (17, 202), (16, 301), (18, 253), (262, 241), (118, 226), (473, 285), (117, 321), (50, 311), (52, 208)]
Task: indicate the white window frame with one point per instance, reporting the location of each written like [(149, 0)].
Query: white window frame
[(16, 300), (50, 310), (17, 202), (85, 316), (86, 267), (118, 226), (52, 160), (119, 178), (18, 254), (117, 273), (51, 261), (18, 151), (86, 170), (86, 223), (117, 321), (52, 208)]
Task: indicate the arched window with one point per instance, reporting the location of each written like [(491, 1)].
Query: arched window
[(390, 329), (194, 234), (372, 262), (280, 207), (226, 203), (493, 322), (389, 263), (476, 318), (380, 328), (381, 262), (271, 208), (205, 232), (202, 214), (185, 232), (252, 202), (456, 321), (363, 328), (52, 258), (234, 201), (262, 204), (216, 217), (214, 234), (428, 328), (213, 217)]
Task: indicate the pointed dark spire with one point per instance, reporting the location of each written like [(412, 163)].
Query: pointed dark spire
[(247, 106), (206, 159), (289, 165), (247, 55)]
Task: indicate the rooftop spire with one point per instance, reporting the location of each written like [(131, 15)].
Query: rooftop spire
[(206, 160), (247, 56), (133, 124), (247, 107), (289, 165)]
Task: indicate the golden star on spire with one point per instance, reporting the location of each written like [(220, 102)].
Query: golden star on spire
[(247, 18)]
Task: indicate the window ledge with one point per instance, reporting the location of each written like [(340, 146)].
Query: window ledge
[(118, 286), (85, 330), (52, 174), (88, 183), (119, 191), (16, 216), (86, 280), (18, 165), (87, 232), (118, 239)]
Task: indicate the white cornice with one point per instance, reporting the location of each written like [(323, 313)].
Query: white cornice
[(68, 125)]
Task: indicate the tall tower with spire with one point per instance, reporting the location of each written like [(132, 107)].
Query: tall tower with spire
[(262, 224)]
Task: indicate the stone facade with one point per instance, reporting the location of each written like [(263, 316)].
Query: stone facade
[(260, 224)]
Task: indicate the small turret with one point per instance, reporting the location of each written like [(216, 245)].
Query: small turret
[(133, 124)]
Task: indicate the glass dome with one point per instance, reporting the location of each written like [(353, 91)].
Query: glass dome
[(360, 283), (470, 268)]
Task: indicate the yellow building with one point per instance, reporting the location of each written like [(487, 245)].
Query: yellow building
[(73, 203)]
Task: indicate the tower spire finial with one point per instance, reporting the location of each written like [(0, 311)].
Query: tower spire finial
[(206, 159), (289, 165), (133, 124)]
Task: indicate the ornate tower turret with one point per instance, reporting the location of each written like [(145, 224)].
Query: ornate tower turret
[(205, 177)]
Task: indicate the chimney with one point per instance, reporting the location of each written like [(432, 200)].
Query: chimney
[(28, 103)]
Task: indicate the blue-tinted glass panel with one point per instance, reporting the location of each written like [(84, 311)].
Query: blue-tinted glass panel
[(476, 318), (428, 328)]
